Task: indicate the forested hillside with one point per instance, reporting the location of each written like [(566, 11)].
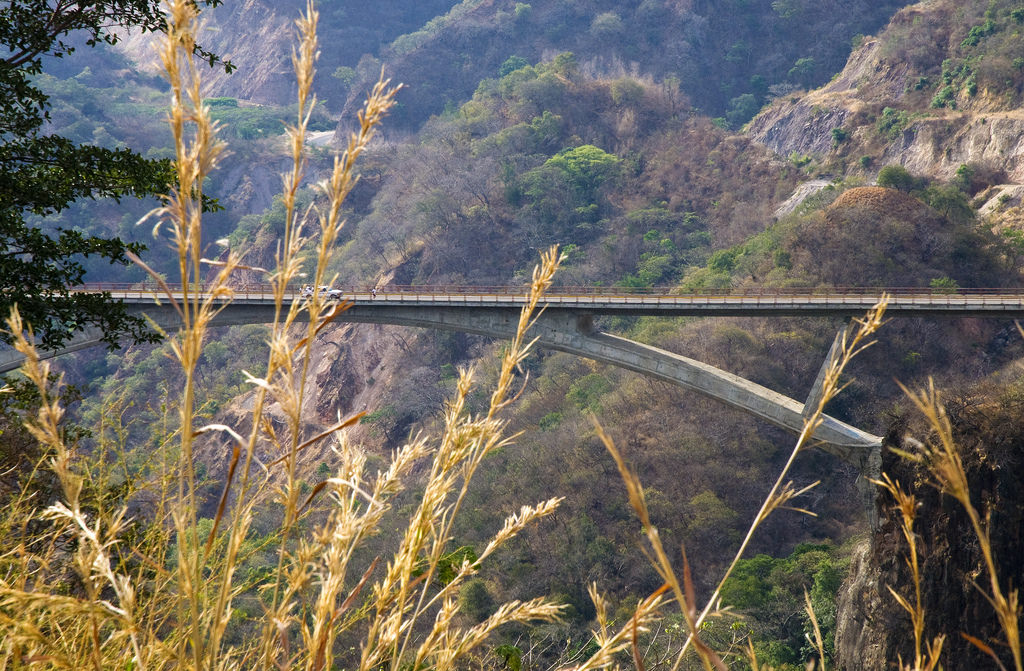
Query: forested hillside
[(729, 56), (655, 142)]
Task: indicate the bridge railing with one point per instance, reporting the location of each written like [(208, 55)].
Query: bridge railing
[(564, 294)]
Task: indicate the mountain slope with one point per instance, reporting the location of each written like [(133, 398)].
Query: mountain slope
[(938, 88), (724, 55)]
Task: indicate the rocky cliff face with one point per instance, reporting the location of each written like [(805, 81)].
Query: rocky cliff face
[(938, 146), (355, 368), (930, 142), (868, 628), (249, 187), (804, 123), (872, 629), (932, 146), (254, 35)]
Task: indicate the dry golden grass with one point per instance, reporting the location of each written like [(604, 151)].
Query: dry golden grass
[(167, 599)]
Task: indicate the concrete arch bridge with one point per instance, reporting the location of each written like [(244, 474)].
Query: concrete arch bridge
[(567, 324)]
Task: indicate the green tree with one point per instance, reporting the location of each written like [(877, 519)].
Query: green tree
[(787, 9), (607, 26), (42, 174), (476, 601), (803, 71), (951, 202), (892, 123), (345, 74), (770, 590), (742, 109), (587, 167), (896, 177), (511, 64)]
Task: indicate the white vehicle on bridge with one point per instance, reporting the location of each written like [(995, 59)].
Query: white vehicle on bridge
[(325, 291)]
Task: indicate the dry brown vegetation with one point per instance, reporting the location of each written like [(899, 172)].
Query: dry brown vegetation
[(891, 237)]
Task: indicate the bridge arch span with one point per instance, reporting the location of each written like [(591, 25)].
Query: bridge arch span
[(564, 328)]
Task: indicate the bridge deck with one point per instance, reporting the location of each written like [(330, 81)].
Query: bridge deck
[(1007, 303)]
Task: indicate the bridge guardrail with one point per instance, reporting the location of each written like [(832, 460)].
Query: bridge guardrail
[(584, 290), (627, 295), (149, 288)]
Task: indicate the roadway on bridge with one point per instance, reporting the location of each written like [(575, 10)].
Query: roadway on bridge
[(1008, 303)]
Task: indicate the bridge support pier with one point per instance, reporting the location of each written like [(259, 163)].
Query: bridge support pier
[(870, 469), (818, 388), (869, 461)]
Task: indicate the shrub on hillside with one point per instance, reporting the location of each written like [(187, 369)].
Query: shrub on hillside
[(897, 177)]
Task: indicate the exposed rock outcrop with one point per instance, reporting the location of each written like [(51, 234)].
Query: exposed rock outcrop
[(930, 142), (800, 194), (872, 629), (255, 36), (804, 123), (868, 625), (248, 188), (938, 146), (347, 363)]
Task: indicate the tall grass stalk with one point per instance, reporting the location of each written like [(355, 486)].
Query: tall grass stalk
[(167, 601), (816, 642)]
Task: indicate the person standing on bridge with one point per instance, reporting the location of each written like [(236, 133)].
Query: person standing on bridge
[(373, 292)]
